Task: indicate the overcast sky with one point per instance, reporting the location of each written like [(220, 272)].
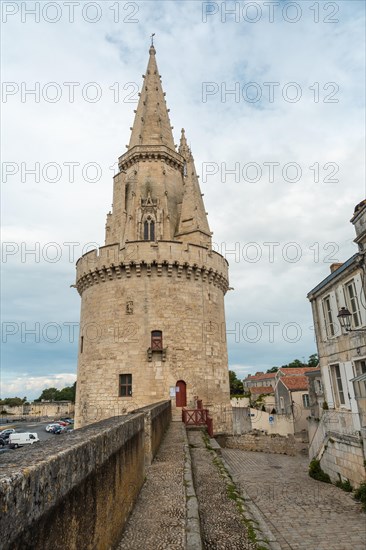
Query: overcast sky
[(291, 132)]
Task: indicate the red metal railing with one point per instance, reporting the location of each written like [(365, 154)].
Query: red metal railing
[(198, 417)]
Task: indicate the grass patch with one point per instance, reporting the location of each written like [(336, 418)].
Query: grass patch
[(344, 485), (317, 473), (360, 495)]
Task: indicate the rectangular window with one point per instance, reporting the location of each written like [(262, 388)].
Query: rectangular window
[(306, 400), (328, 316), (125, 385), (81, 344), (156, 340), (337, 384), (353, 304), (282, 403), (360, 368)]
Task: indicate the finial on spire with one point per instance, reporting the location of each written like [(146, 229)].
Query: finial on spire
[(152, 39)]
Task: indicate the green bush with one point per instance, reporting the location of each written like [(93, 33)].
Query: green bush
[(360, 494), (316, 472), (344, 485)]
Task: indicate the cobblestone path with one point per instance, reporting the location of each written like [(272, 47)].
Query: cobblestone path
[(302, 514), (222, 527), (158, 519)]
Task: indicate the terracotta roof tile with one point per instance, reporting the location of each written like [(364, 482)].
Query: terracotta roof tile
[(261, 376), (295, 383), (300, 370), (261, 389)]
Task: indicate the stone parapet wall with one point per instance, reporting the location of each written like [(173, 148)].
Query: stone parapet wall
[(76, 491), (258, 442), (51, 409), (157, 419)]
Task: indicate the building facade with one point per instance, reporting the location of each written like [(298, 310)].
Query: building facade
[(338, 434), (292, 395), (152, 299)]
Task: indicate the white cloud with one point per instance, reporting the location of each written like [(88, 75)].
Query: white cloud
[(220, 130), (32, 386)]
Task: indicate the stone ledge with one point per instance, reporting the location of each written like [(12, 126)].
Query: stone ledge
[(193, 527)]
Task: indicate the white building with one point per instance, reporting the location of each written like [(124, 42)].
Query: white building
[(336, 436)]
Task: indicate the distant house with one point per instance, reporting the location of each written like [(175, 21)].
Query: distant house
[(337, 424), (259, 379), (261, 388), (292, 395)]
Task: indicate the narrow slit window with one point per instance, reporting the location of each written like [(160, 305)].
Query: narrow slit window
[(81, 344), (149, 229)]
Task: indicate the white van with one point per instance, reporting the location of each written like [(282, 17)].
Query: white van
[(17, 440)]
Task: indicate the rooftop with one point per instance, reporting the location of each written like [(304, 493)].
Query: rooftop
[(261, 376), (298, 371), (261, 390), (295, 383)]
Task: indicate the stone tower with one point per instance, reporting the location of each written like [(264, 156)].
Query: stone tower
[(152, 323)]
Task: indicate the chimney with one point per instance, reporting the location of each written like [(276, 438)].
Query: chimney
[(333, 267)]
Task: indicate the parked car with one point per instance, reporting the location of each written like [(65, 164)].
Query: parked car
[(50, 427), (58, 429), (68, 420), (4, 436), (20, 439)]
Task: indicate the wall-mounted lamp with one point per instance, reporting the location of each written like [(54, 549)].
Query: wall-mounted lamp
[(344, 317)]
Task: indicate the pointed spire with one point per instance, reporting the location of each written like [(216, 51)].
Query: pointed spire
[(152, 124), (183, 146), (193, 219)]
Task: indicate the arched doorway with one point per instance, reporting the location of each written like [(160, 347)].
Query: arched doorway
[(181, 394)]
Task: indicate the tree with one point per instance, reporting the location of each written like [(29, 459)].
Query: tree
[(273, 369), (313, 360), (296, 363), (67, 394), (13, 401), (49, 394), (53, 394), (236, 386)]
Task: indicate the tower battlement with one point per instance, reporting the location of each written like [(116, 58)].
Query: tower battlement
[(160, 259)]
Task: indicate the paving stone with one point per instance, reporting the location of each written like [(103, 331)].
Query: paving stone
[(159, 517), (302, 513)]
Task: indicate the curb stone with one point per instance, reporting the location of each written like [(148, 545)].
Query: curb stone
[(193, 528)]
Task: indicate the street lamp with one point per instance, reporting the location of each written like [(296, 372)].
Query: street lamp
[(344, 317)]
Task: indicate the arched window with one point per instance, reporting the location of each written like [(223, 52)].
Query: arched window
[(156, 340), (149, 229)]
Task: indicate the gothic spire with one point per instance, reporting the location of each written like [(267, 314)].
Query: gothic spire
[(193, 219), (152, 125)]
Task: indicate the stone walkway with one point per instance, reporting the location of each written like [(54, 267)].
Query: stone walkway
[(301, 513), (158, 520)]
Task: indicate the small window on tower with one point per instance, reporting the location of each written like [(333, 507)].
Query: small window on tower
[(125, 385), (81, 344), (156, 340), (149, 229)]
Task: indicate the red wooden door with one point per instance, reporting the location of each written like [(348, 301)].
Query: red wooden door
[(180, 394)]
